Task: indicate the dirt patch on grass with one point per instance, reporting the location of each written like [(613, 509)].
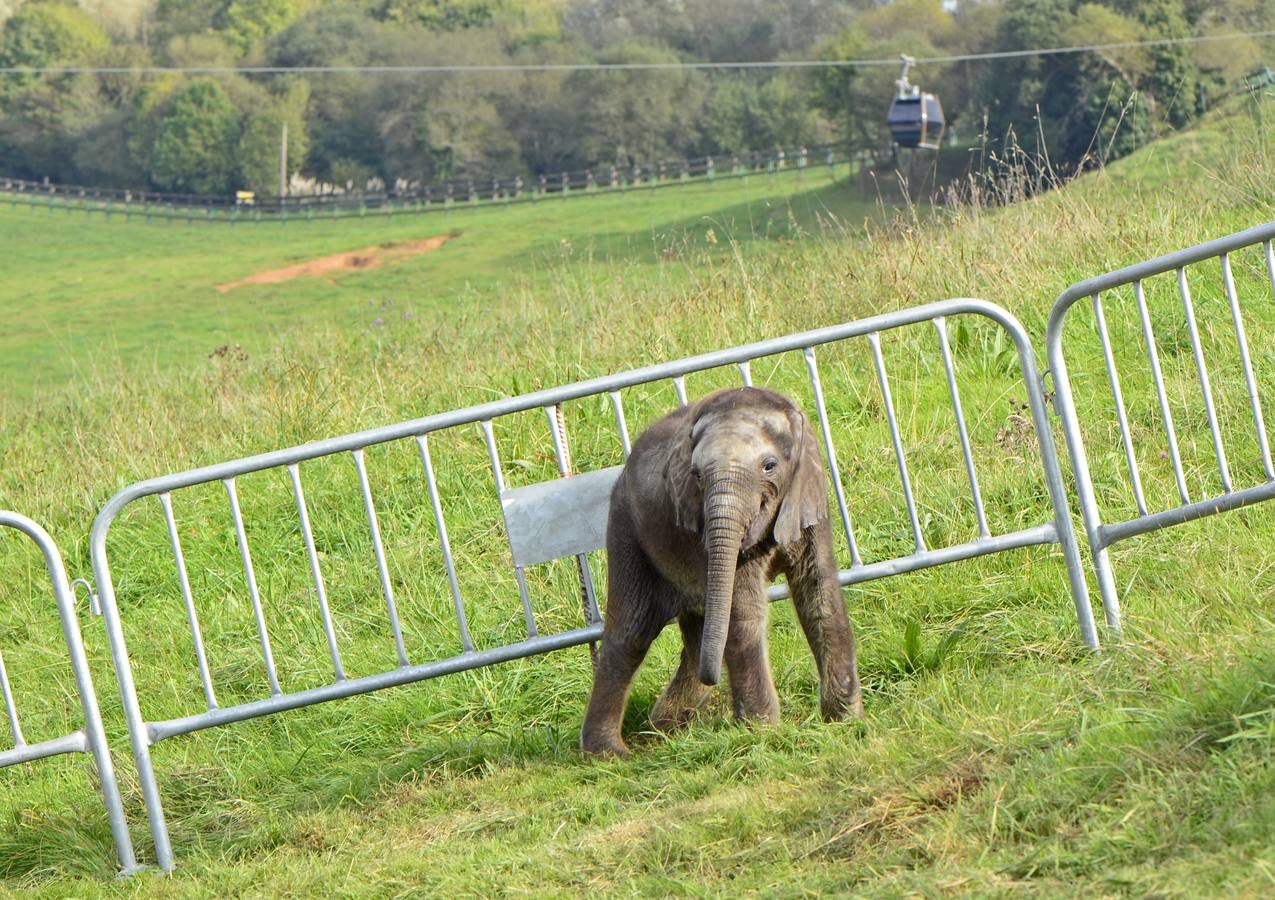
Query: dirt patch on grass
[(367, 258)]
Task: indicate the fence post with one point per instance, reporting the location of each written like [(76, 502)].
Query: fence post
[(93, 734)]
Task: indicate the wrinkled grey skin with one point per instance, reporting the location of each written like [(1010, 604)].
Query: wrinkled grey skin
[(716, 500)]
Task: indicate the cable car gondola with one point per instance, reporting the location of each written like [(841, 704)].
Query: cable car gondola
[(915, 119)]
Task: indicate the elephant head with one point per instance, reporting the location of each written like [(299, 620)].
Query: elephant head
[(745, 471)]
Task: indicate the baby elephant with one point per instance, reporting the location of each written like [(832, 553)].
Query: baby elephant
[(715, 500)]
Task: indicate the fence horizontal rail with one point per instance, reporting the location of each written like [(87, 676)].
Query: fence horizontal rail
[(550, 396)]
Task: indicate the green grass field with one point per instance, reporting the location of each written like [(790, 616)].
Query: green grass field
[(83, 293), (997, 757)]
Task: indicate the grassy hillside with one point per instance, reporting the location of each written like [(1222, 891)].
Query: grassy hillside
[(1009, 762), (83, 293)]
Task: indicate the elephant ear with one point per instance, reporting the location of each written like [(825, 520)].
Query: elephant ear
[(683, 488), (805, 503)]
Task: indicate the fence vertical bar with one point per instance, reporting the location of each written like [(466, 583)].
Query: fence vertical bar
[(1206, 389), (679, 385), (561, 449), (10, 706), (1066, 533), (1166, 414), (1065, 404), (1246, 362), (378, 549), (316, 573), (1117, 398), (183, 580), (617, 404), (528, 615), (493, 454), (466, 641), (940, 325), (137, 736), (746, 373), (874, 339), (254, 595), (92, 714), (812, 367)]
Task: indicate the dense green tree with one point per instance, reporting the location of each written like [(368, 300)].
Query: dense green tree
[(460, 127), (246, 23), (174, 18), (142, 118), (101, 155), (196, 141), (746, 112), (439, 15), (717, 30), (42, 117), (544, 124), (1031, 99), (44, 122), (261, 135), (341, 113), (1173, 80), (1112, 113), (240, 25), (401, 126), (51, 33), (1078, 108), (836, 89), (636, 115)]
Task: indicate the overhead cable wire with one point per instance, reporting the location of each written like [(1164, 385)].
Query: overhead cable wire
[(616, 67)]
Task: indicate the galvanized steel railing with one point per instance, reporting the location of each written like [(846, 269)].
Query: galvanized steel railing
[(90, 738), (1103, 535), (558, 519)]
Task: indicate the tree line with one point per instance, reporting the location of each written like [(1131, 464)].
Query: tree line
[(217, 133)]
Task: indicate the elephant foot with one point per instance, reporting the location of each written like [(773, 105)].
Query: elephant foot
[(678, 707), (761, 715), (604, 746), (757, 705), (836, 707)]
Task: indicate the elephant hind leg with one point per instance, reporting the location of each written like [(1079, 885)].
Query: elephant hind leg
[(685, 696)]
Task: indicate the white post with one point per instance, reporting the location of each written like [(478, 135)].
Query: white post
[(283, 161)]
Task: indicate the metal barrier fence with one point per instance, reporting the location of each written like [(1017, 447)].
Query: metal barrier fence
[(1220, 286), (90, 738), (535, 522)]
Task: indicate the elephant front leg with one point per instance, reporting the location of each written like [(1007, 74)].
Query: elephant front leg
[(747, 659), (618, 661), (684, 697), (637, 610), (816, 595)]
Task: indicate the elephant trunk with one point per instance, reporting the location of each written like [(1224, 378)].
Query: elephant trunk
[(725, 518)]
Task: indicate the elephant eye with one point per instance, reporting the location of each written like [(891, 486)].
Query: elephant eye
[(696, 473), (770, 465)]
